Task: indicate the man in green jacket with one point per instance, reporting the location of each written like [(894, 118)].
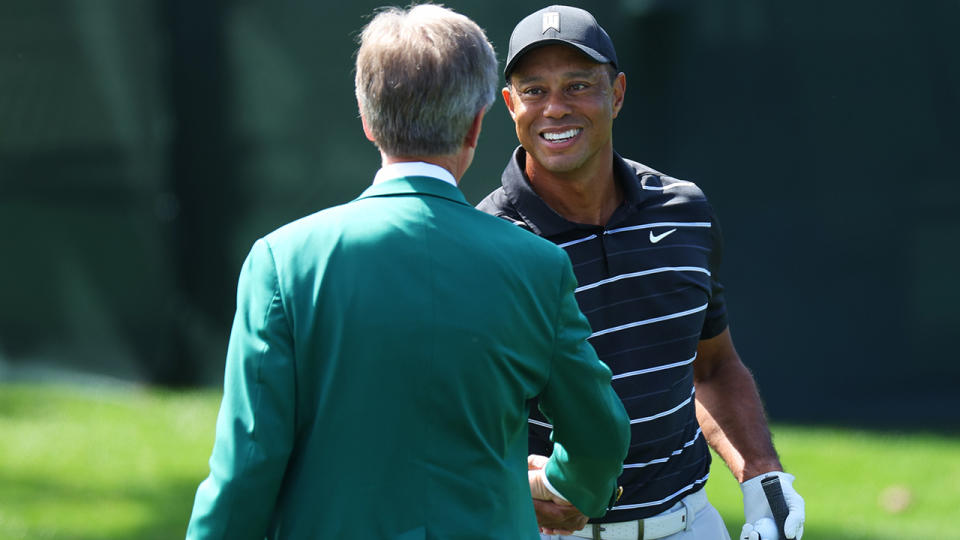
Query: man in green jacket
[(384, 351)]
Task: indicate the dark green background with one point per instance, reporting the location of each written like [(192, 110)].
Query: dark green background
[(144, 145)]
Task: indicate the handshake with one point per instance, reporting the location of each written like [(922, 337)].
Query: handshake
[(555, 515)]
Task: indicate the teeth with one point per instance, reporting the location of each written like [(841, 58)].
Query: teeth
[(562, 135)]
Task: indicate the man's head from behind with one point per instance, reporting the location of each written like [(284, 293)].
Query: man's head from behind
[(422, 76)]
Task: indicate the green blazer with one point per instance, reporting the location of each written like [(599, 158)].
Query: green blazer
[(378, 375)]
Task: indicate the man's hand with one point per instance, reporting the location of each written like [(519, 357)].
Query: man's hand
[(756, 509), (555, 515), (560, 519)]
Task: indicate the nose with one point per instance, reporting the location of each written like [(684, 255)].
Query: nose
[(556, 106)]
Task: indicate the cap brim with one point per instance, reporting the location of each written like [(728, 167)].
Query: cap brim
[(591, 53)]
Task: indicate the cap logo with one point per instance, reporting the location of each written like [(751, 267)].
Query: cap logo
[(551, 19)]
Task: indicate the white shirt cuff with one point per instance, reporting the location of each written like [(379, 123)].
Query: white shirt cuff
[(551, 489)]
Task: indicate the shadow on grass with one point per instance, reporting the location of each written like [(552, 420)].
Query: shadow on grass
[(39, 508)]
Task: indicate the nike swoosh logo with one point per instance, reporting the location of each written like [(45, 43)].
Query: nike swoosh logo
[(654, 238)]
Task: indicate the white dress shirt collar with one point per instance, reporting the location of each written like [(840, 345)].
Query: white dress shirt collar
[(414, 168)]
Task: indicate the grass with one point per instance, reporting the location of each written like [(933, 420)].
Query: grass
[(100, 462), (860, 485), (111, 463)]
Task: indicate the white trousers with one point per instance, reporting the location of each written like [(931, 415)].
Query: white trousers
[(707, 525)]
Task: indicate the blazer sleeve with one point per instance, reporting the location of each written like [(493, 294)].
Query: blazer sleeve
[(591, 429), (255, 429)]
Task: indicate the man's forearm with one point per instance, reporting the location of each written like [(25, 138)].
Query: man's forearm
[(733, 422)]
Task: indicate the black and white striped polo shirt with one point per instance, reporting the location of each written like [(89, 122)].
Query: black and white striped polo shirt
[(647, 284)]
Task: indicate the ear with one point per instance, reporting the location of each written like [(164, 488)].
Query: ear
[(619, 91), (366, 127), (508, 99), (473, 134)]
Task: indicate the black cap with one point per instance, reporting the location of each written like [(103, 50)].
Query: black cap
[(560, 24)]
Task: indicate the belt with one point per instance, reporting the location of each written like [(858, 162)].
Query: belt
[(658, 526)]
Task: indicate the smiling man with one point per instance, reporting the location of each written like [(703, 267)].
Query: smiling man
[(645, 249)]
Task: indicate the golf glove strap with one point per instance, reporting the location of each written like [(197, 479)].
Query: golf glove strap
[(756, 510)]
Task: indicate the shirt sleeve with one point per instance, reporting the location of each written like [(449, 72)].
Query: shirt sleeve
[(254, 432), (715, 321), (591, 429)]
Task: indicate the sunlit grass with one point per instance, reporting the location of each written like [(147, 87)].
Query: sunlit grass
[(101, 462), (112, 463), (862, 485)]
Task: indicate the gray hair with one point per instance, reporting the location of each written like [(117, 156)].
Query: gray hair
[(422, 76)]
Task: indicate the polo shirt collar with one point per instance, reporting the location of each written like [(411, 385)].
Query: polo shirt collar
[(542, 219)]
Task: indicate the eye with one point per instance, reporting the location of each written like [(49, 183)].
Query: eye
[(578, 86), (532, 91)]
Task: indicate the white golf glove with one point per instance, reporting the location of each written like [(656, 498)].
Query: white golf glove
[(760, 523)]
